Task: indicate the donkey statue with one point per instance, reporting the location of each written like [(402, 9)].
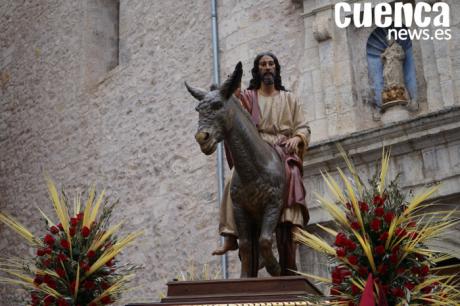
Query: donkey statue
[(257, 186)]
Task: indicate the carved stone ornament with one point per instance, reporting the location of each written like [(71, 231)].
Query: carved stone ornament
[(321, 26)]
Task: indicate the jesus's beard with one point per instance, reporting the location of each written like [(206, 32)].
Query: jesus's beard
[(268, 78)]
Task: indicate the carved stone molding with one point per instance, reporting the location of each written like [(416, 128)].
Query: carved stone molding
[(438, 131), (322, 25)]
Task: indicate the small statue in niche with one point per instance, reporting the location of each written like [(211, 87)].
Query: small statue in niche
[(394, 91)]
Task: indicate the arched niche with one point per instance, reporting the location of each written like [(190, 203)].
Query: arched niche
[(376, 44)]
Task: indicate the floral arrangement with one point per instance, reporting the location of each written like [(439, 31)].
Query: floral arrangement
[(75, 262), (379, 255)]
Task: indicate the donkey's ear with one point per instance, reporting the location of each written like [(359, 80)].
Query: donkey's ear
[(233, 82), (196, 92)]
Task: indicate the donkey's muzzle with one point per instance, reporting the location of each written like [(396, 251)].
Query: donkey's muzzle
[(202, 137)]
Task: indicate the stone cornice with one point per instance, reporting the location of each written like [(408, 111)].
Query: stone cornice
[(317, 10), (421, 132)]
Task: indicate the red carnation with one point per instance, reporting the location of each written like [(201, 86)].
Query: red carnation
[(409, 286), (353, 259), (412, 224), (84, 266), (38, 279), (105, 285), (73, 221), (49, 281), (54, 229), (383, 237), (72, 286), (424, 270), (394, 258), (344, 272), (335, 290), (427, 289), (34, 297), (378, 200), (363, 206), (363, 271), (62, 257), (336, 279), (91, 254), (48, 299), (397, 292), (47, 278), (48, 251), (47, 262), (80, 216), (380, 250), (385, 288), (89, 285), (60, 272), (355, 225), (40, 252), (379, 211), (72, 231), (106, 300), (340, 239), (354, 289), (49, 240), (60, 226), (85, 231), (62, 302), (382, 269), (339, 273), (341, 252), (375, 225), (351, 246), (65, 244), (400, 232), (389, 216)]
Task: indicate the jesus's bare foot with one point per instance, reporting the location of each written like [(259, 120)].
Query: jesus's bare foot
[(230, 244)]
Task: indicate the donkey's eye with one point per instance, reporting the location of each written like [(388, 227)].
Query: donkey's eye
[(216, 105)]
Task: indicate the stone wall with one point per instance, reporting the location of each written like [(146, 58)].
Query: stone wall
[(131, 133)]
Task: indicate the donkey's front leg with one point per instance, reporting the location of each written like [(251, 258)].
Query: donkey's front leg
[(243, 225), (269, 223)]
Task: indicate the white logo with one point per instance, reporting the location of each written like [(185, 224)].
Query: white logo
[(398, 17)]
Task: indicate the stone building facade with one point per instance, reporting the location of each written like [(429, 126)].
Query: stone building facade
[(92, 91)]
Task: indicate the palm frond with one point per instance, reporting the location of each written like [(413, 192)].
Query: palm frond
[(20, 229)]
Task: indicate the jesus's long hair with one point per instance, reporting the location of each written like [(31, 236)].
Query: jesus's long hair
[(256, 79)]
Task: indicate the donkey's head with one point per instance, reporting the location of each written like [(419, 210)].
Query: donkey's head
[(215, 114)]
